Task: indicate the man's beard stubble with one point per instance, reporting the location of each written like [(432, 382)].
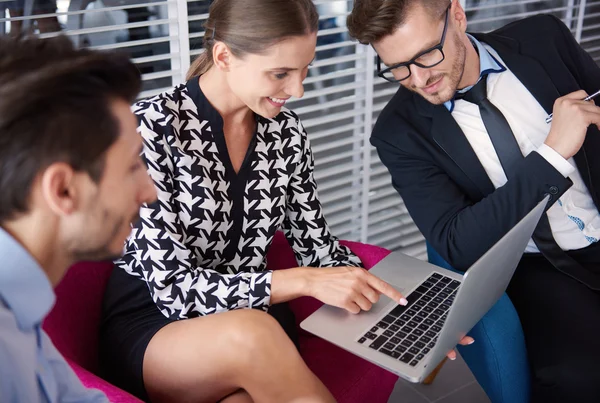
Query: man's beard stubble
[(455, 76), (102, 250)]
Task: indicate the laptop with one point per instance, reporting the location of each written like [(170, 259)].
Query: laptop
[(443, 306)]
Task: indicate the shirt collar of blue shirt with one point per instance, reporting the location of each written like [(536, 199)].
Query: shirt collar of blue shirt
[(24, 287), (487, 64)]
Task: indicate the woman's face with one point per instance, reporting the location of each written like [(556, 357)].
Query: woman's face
[(265, 82)]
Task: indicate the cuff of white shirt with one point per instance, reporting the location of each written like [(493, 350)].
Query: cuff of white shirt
[(556, 160)]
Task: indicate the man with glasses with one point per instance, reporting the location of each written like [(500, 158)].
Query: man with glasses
[(471, 151)]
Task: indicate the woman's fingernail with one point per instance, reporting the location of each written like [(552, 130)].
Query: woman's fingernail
[(452, 358), (403, 301), (471, 342)]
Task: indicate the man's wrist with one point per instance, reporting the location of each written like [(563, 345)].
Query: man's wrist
[(556, 159)]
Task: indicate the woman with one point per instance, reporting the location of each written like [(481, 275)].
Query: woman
[(231, 166)]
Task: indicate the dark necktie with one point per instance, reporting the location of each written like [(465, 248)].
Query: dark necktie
[(510, 154)]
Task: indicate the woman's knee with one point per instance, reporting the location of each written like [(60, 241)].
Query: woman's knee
[(253, 329)]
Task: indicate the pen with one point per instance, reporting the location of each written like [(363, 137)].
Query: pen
[(594, 95)]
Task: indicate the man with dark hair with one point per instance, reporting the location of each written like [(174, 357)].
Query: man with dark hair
[(71, 182), (470, 149)]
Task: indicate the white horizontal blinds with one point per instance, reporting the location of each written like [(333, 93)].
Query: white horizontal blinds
[(389, 223), (149, 31), (590, 28), (197, 16), (487, 15), (333, 112)]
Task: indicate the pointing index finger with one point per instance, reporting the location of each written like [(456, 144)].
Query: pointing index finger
[(386, 289)]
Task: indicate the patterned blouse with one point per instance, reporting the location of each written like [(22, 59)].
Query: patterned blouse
[(201, 247)]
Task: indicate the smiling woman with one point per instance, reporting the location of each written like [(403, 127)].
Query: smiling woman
[(231, 165)]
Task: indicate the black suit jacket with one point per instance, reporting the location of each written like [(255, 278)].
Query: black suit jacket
[(437, 173)]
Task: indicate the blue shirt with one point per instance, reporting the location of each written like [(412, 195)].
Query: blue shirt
[(31, 369), (487, 64)]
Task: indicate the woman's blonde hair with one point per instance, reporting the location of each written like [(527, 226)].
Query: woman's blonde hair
[(252, 26)]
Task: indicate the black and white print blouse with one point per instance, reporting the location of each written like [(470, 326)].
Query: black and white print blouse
[(201, 247)]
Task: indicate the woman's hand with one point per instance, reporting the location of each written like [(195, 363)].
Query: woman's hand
[(351, 288)]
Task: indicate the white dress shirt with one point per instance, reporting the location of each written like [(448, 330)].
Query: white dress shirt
[(574, 218)]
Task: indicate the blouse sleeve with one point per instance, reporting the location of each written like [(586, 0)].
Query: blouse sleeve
[(304, 225), (157, 250)]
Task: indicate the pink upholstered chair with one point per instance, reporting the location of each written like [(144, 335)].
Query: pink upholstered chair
[(73, 327)]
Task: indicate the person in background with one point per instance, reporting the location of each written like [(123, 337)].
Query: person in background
[(469, 148), (16, 8)]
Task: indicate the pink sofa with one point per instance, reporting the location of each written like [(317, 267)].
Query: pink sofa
[(73, 326)]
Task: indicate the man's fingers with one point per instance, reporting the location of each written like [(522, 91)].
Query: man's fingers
[(576, 95), (591, 109), (467, 340), (592, 116), (386, 289), (451, 355)]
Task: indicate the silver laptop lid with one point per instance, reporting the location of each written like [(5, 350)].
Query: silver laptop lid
[(483, 284)]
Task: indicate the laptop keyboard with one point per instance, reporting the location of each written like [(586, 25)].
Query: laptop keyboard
[(408, 333)]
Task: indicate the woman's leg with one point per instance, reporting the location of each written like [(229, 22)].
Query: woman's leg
[(241, 396), (209, 358)]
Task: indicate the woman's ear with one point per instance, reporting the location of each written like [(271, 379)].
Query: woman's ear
[(221, 56)]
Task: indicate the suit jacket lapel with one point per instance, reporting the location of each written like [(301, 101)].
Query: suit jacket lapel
[(448, 135), (528, 70)]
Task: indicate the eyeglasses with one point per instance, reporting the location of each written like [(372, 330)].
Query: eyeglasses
[(426, 59)]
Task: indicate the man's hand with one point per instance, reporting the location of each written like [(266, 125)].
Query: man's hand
[(464, 342), (570, 121)]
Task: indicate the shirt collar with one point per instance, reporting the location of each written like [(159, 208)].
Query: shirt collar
[(487, 64), (24, 287)]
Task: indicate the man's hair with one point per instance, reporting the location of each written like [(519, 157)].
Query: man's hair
[(55, 106), (372, 20)]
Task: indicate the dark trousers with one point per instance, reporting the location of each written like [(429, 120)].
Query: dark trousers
[(561, 321)]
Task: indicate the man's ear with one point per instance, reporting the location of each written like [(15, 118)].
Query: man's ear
[(221, 56), (59, 188), (458, 15)]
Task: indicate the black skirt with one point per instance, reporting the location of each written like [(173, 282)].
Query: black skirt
[(129, 321)]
